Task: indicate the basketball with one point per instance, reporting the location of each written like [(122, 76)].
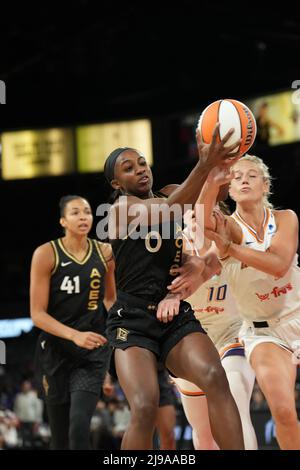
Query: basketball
[(230, 114)]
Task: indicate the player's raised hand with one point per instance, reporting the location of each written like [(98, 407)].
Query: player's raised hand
[(216, 153)]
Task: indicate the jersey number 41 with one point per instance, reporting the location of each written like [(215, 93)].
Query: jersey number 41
[(70, 286)]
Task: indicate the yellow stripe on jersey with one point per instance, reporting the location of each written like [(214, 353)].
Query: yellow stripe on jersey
[(130, 233), (56, 255), (86, 258), (98, 248)]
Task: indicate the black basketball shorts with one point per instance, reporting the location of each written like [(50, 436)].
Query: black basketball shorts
[(71, 376), (132, 322)]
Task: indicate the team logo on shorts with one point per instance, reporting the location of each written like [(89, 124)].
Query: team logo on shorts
[(122, 334), (45, 384)]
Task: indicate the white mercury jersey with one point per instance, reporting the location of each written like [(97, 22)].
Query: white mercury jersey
[(261, 296), (215, 306)]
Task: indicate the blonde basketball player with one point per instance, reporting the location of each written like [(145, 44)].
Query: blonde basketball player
[(258, 246), (216, 309)]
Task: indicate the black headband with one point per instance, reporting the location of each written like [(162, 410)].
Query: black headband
[(110, 162)]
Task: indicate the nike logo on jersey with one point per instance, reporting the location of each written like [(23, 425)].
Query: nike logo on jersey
[(65, 264), (249, 243)]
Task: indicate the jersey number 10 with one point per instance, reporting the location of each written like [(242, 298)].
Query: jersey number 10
[(217, 293)]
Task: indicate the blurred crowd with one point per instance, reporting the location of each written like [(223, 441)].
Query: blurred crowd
[(24, 425)]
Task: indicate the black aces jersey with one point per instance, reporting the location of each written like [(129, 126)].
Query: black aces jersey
[(77, 287), (145, 265)]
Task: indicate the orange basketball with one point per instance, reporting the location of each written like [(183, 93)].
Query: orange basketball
[(230, 114)]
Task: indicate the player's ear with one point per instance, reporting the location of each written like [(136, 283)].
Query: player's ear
[(62, 222), (115, 184), (266, 186)]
